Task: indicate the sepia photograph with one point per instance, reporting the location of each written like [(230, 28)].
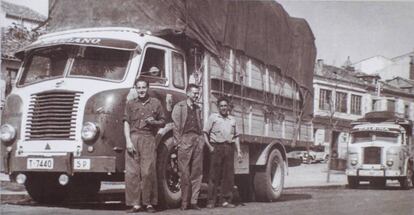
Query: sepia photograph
[(207, 107)]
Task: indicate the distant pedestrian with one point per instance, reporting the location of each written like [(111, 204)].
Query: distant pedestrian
[(188, 134), (143, 117), (221, 137)]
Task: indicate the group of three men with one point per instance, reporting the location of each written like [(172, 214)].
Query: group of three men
[(143, 117)]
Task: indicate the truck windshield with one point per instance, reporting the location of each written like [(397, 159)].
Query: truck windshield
[(369, 136), (46, 63), (50, 62), (100, 63)]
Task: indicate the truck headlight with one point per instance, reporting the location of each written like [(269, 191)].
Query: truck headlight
[(354, 162), (390, 163), (89, 131), (7, 133)]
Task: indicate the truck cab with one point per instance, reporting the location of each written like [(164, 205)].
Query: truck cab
[(380, 148), (62, 124)]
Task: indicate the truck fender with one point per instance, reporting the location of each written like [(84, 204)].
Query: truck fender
[(262, 159)]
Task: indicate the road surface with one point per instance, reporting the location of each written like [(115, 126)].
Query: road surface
[(306, 201)]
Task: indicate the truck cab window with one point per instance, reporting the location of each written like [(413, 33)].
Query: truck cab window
[(100, 63), (153, 68), (44, 64), (178, 70)]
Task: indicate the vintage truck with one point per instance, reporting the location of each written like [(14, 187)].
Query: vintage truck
[(62, 130), (380, 148)]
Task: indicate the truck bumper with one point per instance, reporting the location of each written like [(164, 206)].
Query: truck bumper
[(373, 173), (67, 164)]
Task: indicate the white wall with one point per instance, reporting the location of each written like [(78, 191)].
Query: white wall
[(373, 65)]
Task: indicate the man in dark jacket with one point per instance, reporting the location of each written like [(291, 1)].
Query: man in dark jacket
[(188, 135)]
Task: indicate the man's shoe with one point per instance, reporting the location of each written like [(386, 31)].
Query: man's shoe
[(195, 207), (228, 205), (134, 209), (183, 207), (150, 209)]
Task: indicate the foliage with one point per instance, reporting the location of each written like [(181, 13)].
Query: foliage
[(15, 37)]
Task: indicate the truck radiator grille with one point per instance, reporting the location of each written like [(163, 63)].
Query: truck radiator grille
[(372, 155), (52, 115)]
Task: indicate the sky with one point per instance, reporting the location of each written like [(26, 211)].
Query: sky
[(358, 29)]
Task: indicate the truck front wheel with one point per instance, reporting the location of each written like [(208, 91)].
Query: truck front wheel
[(268, 183), (169, 189), (45, 188), (353, 182)]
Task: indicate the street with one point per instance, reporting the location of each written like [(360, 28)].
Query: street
[(328, 200)]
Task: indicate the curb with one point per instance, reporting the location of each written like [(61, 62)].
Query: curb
[(333, 186)]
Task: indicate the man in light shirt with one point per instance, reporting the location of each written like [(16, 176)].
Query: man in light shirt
[(221, 136)]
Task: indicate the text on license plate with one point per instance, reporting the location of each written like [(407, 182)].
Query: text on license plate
[(82, 163), (40, 163)]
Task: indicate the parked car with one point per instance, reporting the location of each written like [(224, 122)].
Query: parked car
[(317, 157), (301, 155)]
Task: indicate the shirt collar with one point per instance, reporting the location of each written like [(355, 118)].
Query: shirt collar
[(145, 102), (223, 117)]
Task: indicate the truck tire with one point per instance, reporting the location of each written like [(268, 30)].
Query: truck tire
[(45, 188), (378, 182), (84, 187), (169, 190), (407, 181), (268, 183), (353, 182)]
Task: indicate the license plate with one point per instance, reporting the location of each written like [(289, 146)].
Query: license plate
[(371, 173), (82, 164), (40, 163)]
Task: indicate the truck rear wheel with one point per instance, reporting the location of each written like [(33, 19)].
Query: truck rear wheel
[(45, 188), (169, 189), (268, 183), (353, 182)]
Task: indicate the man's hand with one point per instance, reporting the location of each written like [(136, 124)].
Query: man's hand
[(210, 148), (130, 147), (150, 120)]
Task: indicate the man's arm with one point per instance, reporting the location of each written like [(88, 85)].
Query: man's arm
[(237, 140), (175, 114), (129, 146), (206, 133), (159, 120), (210, 147), (127, 117), (237, 143)]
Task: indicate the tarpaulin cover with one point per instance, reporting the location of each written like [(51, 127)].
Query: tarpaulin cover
[(261, 29)]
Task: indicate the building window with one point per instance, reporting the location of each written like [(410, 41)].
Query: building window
[(356, 104), (325, 99), (341, 102), (375, 105), (391, 105), (407, 111)]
